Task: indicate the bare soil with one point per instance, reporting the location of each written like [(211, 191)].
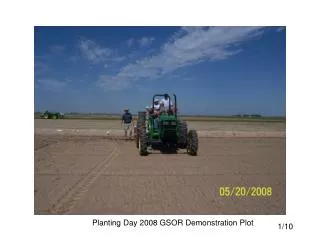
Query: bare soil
[(197, 125), (101, 175)]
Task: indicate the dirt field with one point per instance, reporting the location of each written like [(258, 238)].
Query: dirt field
[(105, 175), (198, 125)]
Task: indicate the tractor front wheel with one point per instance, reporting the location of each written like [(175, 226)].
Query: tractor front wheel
[(192, 147), (183, 134)]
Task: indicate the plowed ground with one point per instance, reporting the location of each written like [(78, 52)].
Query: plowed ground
[(100, 175)]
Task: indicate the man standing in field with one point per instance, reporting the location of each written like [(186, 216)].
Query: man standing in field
[(126, 122)]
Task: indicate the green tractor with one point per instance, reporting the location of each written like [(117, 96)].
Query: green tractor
[(164, 131), (52, 115)]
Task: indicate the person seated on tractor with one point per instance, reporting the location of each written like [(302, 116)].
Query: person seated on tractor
[(167, 103), (156, 104), (162, 109), (156, 108), (156, 113)]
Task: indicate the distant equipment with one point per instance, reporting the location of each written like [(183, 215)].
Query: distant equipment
[(52, 115)]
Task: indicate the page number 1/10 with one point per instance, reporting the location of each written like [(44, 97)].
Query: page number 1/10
[(285, 226)]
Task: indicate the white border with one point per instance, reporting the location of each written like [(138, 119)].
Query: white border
[(18, 19)]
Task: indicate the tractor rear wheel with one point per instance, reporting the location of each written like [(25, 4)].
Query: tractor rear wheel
[(136, 138), (143, 142), (141, 119), (192, 147), (183, 134)]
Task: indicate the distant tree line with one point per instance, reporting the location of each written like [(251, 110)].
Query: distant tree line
[(248, 115)]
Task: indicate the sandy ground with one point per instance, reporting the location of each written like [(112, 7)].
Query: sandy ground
[(105, 175), (198, 125), (204, 129)]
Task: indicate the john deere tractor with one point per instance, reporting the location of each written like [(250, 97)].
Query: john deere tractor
[(52, 115), (164, 130)]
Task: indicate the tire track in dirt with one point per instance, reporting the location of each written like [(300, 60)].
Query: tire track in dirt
[(45, 145), (69, 199)]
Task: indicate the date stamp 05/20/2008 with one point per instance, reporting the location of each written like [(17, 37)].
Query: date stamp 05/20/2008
[(242, 191)]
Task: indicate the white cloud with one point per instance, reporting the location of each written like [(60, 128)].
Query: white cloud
[(57, 49), (145, 41), (72, 59), (40, 67), (93, 52), (130, 42), (50, 84), (118, 58), (112, 83), (187, 47), (98, 54), (280, 29)]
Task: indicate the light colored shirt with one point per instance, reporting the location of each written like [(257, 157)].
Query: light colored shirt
[(166, 103)]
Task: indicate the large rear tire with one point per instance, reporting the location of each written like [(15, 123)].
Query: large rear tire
[(141, 119), (136, 138), (192, 148), (143, 142), (183, 134)]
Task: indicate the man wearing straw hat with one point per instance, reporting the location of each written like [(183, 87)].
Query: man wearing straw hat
[(126, 122)]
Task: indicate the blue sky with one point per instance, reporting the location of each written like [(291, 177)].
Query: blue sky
[(212, 70)]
